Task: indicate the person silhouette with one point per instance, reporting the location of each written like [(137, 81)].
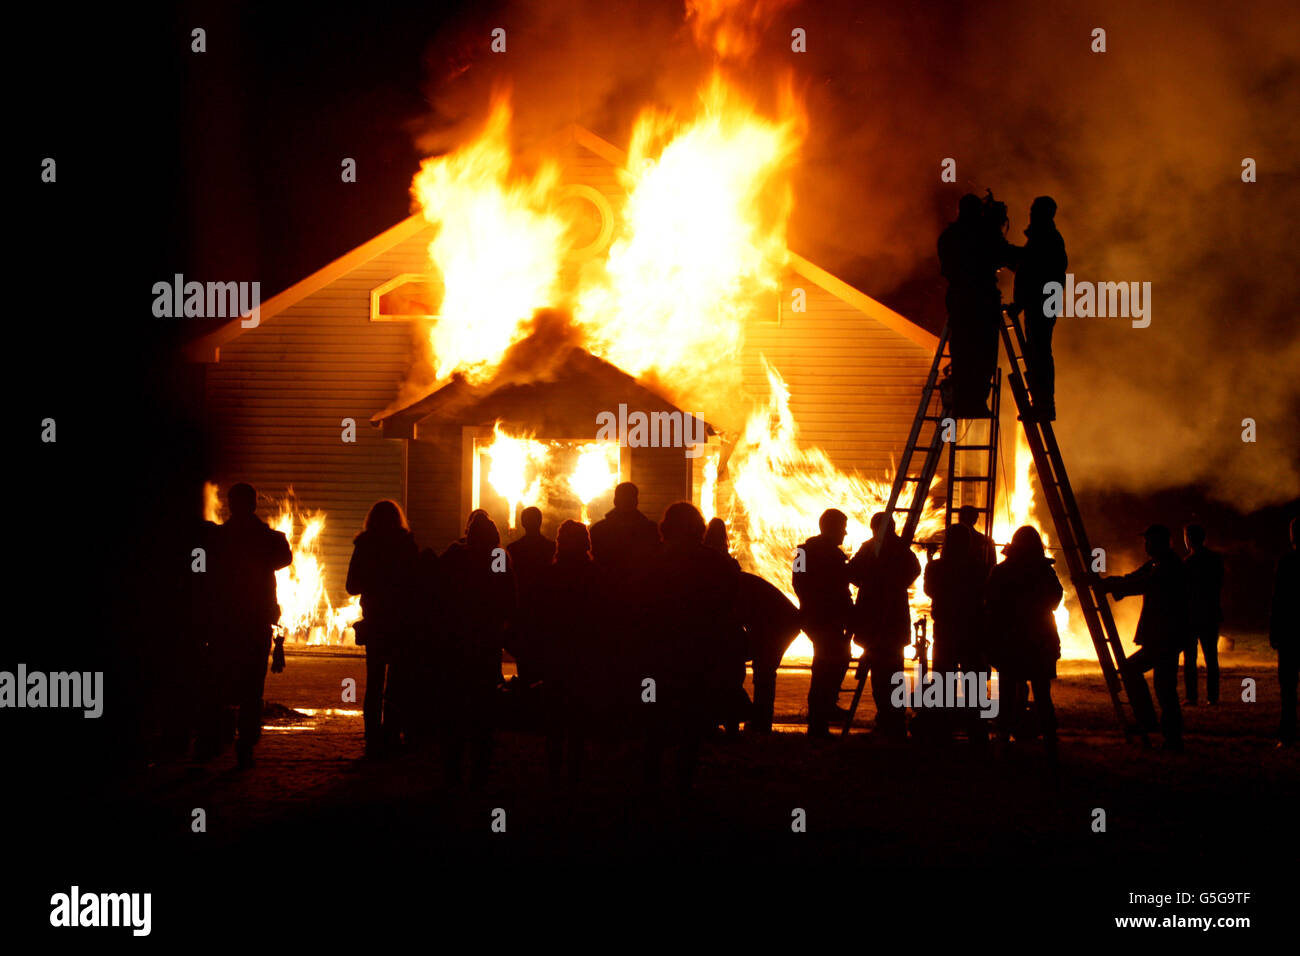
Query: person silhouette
[(1205, 614), (1022, 593), (1284, 636), (1162, 626), (971, 250), (247, 555), (1039, 261), (624, 541), (381, 570), (531, 555), (422, 668), (533, 552), (686, 606), (955, 583), (981, 544), (821, 581), (572, 654), (771, 623), (735, 709), (883, 569), (204, 606), (715, 537), (481, 594)]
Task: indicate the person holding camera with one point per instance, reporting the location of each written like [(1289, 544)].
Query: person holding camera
[(971, 250)]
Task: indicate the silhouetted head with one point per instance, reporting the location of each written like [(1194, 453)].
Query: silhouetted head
[(478, 514), (531, 519), (882, 524), (1042, 210), (572, 540), (968, 515), (626, 495), (682, 522), (241, 499), (1025, 543), (386, 517), (1194, 536), (715, 535), (482, 534), (834, 524), (1157, 539), (969, 208), (957, 542)]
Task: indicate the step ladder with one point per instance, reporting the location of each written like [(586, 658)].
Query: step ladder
[(1128, 691), (910, 492)]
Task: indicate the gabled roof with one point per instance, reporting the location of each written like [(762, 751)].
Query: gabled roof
[(572, 393), (206, 348)]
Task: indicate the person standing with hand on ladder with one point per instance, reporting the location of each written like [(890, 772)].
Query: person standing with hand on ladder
[(1162, 626)]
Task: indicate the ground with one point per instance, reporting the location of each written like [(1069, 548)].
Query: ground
[(889, 825)]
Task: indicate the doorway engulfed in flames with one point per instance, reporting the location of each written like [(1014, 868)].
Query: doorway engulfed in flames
[(566, 479)]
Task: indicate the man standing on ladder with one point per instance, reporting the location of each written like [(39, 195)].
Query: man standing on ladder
[(971, 250), (1041, 260)]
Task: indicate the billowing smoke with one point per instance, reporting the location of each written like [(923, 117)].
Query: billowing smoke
[(1142, 147)]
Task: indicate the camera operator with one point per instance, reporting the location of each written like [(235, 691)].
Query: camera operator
[(971, 250)]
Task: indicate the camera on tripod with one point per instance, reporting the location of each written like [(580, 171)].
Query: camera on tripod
[(993, 213)]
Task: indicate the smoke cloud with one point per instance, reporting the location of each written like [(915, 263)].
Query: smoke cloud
[(1141, 146)]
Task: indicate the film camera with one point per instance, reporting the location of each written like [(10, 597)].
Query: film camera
[(993, 213)]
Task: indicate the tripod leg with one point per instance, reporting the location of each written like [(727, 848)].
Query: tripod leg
[(853, 707)]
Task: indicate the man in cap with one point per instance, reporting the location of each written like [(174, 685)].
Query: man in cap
[(1162, 626)]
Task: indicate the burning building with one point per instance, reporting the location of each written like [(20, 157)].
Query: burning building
[(463, 357)]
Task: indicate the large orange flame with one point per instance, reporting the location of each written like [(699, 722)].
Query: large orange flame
[(498, 248), (306, 612), (779, 490), (702, 239)]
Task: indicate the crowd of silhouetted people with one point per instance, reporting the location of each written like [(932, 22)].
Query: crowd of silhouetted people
[(633, 629)]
